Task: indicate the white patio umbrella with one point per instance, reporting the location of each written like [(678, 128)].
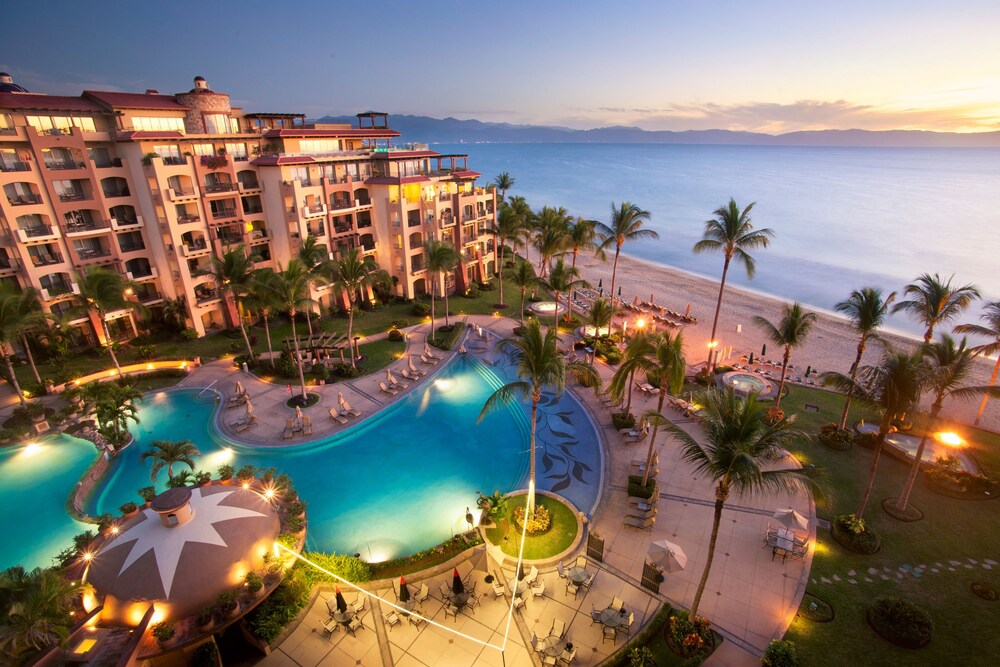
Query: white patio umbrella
[(340, 398), (791, 519), (389, 377), (298, 412), (496, 553), (239, 388), (249, 407), (668, 555)]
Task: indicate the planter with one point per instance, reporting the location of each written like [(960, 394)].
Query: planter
[(132, 513), (226, 482), (166, 643)]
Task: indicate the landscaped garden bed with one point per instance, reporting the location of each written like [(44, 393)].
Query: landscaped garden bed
[(559, 536)]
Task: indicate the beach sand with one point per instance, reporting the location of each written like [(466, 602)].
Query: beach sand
[(830, 346)]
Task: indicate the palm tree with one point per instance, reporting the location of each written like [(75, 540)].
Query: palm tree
[(114, 407), (232, 273), (102, 292), (167, 453), (948, 366), (441, 257), (539, 367), (791, 332), (552, 228), (527, 229), (934, 301), (563, 280), (17, 313), (893, 388), (291, 294), (260, 298), (637, 351), (314, 256), (731, 232), (38, 607), (503, 182), (353, 272), (582, 235), (626, 225), (524, 277), (866, 309), (991, 315), (507, 226), (742, 446), (600, 316)]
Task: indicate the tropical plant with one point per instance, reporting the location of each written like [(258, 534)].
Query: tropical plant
[(527, 228), (934, 301), (582, 235), (742, 446), (539, 366), (261, 297), (103, 291), (866, 309), (600, 316), (524, 278), (352, 272), (991, 331), (503, 182), (291, 294), (114, 407), (790, 333), (636, 352), (35, 608), (948, 367), (893, 388), (18, 312), (563, 280), (552, 235), (167, 453), (732, 233), (626, 225), (231, 274), (506, 227), (313, 256), (174, 314), (441, 258)]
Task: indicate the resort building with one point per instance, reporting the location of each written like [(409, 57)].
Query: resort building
[(154, 186)]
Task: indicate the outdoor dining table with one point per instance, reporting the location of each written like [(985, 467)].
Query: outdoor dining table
[(516, 585), (408, 605), (577, 575), (343, 617), (612, 618), (460, 599), (551, 645)]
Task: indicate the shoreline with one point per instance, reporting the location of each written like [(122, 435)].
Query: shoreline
[(830, 346)]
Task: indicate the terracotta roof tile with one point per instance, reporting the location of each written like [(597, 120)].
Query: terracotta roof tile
[(135, 100)]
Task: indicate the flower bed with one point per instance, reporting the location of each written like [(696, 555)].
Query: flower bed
[(900, 623), (852, 534), (690, 639), (815, 609)]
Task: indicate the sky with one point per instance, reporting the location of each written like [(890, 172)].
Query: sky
[(759, 65)]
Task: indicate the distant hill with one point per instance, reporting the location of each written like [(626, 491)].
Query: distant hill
[(454, 131)]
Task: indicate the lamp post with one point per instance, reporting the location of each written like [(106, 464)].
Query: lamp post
[(713, 346)]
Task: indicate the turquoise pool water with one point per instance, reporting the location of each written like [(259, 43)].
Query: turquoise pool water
[(36, 481), (396, 483)]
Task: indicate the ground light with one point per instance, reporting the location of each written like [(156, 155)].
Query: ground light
[(949, 438), (278, 548)]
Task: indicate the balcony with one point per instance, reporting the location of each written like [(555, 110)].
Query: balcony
[(195, 249), (126, 223), (40, 233), (315, 230), (14, 165), (114, 193), (447, 220), (339, 204), (205, 296), (24, 200), (9, 264), (223, 213), (149, 296), (343, 227), (63, 165), (56, 290), (228, 240), (131, 247), (218, 188), (186, 217), (314, 211), (177, 195), (174, 161), (90, 254), (77, 195), (253, 210), (77, 229), (47, 259), (108, 164), (249, 187), (142, 274)]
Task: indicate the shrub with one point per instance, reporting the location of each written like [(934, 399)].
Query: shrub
[(226, 603), (144, 352), (487, 287), (852, 533), (206, 655), (836, 438), (622, 420), (344, 370), (203, 477), (246, 473), (900, 622), (318, 370), (613, 356), (253, 582), (395, 335), (421, 309), (225, 471), (866, 440), (189, 334), (635, 487), (472, 292), (641, 656), (780, 654), (538, 522), (295, 524), (296, 508), (163, 632), (268, 620), (128, 508), (690, 638), (147, 493), (204, 617), (348, 567), (399, 323)]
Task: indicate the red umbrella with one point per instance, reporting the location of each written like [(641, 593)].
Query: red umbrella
[(404, 592), (341, 602), (457, 587)]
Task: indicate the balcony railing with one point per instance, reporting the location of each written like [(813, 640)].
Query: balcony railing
[(194, 248), (176, 194), (205, 296), (35, 233), (338, 204), (342, 227), (131, 247), (59, 165), (83, 227), (251, 210), (24, 200), (93, 253), (188, 218), (9, 263), (175, 161), (259, 235), (46, 259), (219, 214), (14, 166), (213, 188), (315, 230), (125, 222), (142, 273), (112, 193), (251, 185), (73, 196), (148, 296), (108, 164), (314, 211)]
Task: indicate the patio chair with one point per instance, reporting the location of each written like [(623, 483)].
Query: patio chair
[(518, 603), (558, 628), (641, 514), (537, 590), (423, 593), (337, 417), (534, 641), (529, 579), (392, 619), (451, 610), (561, 570), (359, 604), (642, 504), (472, 602), (499, 590), (616, 603), (595, 615), (415, 621), (567, 655), (610, 633), (355, 625), (572, 589), (289, 429), (330, 626), (387, 390), (307, 427), (445, 592), (581, 561), (588, 581)]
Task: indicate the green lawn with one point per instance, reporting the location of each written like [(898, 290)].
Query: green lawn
[(965, 626), (560, 535)]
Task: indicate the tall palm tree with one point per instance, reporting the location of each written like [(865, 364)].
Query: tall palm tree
[(539, 367), (507, 227), (893, 387), (528, 222), (552, 236), (991, 315), (38, 607), (582, 235), (524, 278), (742, 445), (260, 298), (866, 309), (231, 274), (948, 367), (353, 272), (114, 407), (934, 301), (731, 232), (634, 359), (563, 280), (503, 182), (626, 225), (314, 256), (17, 313), (441, 258), (291, 294), (101, 292), (790, 333), (167, 453), (600, 316)]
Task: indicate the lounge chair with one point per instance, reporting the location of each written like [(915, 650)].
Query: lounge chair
[(250, 421), (387, 390), (307, 426), (408, 375), (641, 514), (336, 416), (347, 411), (396, 384), (289, 429), (642, 524), (413, 369), (424, 358), (641, 504), (430, 353)]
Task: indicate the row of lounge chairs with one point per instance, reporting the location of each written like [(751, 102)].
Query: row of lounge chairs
[(294, 425)]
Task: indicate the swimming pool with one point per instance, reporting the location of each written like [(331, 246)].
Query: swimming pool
[(933, 450), (744, 383), (394, 484)]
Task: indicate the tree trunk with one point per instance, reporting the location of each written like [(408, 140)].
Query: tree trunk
[(298, 356), (569, 297), (350, 329), (499, 250), (781, 383), (309, 321), (721, 494), (718, 307), (433, 290), (911, 477), (267, 331), (854, 375), (447, 322), (614, 274), (524, 291), (110, 343), (883, 430), (31, 358), (536, 396), (652, 436), (986, 397), (13, 381), (555, 320), (628, 403), (243, 330)]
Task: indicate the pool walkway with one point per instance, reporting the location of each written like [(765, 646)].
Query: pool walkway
[(750, 598)]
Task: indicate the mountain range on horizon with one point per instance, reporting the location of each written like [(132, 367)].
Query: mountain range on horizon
[(425, 129)]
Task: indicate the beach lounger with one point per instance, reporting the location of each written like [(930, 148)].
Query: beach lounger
[(289, 427), (642, 524), (427, 360), (408, 375), (413, 369), (347, 411), (307, 427), (337, 417), (429, 353), (250, 421), (387, 390), (396, 384)]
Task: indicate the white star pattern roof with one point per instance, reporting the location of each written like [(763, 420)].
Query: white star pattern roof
[(168, 543)]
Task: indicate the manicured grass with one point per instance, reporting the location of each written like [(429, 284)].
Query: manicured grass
[(560, 535), (381, 353)]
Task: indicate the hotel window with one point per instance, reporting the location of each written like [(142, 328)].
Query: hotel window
[(237, 151), (149, 124), (319, 146), (6, 121), (217, 123), (168, 152), (203, 149), (61, 124)]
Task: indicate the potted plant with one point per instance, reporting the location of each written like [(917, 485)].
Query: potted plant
[(227, 605), (164, 633), (226, 474), (254, 584), (272, 572), (203, 478), (205, 619), (129, 509), (147, 493), (206, 655), (245, 475)]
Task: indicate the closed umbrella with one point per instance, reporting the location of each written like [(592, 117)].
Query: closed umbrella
[(404, 592), (668, 555), (239, 388), (340, 398), (249, 407), (388, 375), (792, 519), (341, 602), (298, 412), (635, 302), (457, 587)]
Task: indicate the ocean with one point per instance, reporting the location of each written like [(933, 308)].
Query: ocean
[(843, 218)]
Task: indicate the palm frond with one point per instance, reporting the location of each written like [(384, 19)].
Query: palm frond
[(504, 396)]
